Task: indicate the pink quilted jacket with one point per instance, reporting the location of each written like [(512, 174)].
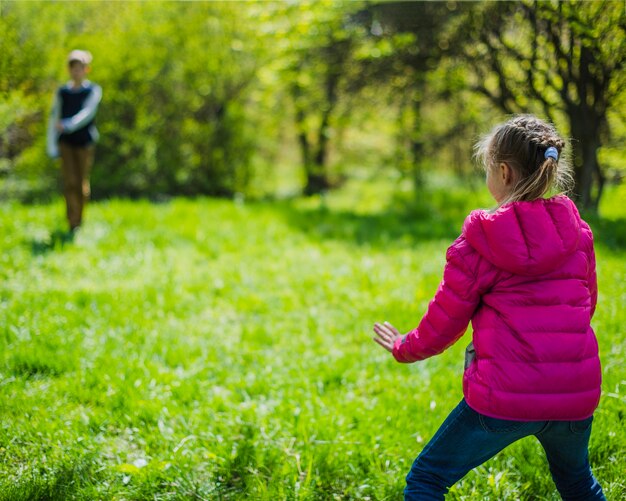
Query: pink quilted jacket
[(525, 277)]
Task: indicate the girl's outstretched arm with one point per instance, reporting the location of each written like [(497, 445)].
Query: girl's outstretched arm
[(386, 335), (466, 276)]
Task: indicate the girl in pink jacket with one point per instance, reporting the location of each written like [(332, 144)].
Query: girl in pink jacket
[(525, 276)]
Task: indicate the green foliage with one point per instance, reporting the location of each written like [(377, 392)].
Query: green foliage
[(315, 61), (175, 78), (220, 98), (410, 50), (188, 133), (562, 60), (216, 350)]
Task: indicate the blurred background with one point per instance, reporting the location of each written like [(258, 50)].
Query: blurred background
[(277, 99)]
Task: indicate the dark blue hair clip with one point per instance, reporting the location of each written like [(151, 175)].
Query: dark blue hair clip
[(551, 152)]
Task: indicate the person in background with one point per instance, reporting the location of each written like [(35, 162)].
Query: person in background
[(524, 274), (72, 133)]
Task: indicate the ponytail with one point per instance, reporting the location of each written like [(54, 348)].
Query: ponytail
[(537, 184)]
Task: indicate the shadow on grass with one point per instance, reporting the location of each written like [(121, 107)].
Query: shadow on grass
[(51, 482), (31, 367), (433, 216), (610, 233), (56, 241)]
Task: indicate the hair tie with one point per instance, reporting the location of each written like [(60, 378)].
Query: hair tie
[(552, 152)]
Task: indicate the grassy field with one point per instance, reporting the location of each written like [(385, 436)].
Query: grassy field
[(220, 350)]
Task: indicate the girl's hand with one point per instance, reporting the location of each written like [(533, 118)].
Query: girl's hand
[(386, 335)]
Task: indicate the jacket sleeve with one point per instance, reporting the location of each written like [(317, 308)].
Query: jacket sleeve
[(592, 278), (592, 281), (86, 114), (449, 312), (52, 137)]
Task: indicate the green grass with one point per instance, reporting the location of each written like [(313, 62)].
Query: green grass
[(213, 350)]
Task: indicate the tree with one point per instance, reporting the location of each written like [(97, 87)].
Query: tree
[(314, 138), (173, 119), (559, 58), (315, 63), (407, 46)]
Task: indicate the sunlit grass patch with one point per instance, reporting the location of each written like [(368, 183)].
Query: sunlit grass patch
[(210, 349)]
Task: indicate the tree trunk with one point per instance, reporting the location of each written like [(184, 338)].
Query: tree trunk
[(304, 143), (586, 141), (317, 175), (600, 179), (303, 140), (417, 143)]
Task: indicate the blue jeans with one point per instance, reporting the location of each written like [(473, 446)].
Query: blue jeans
[(466, 439)]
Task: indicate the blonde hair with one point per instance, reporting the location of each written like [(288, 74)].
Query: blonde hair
[(521, 143)]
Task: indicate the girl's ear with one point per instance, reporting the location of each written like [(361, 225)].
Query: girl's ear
[(506, 173)]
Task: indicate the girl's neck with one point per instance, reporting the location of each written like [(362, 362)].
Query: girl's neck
[(77, 83)]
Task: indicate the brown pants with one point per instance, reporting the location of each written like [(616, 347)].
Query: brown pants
[(76, 162)]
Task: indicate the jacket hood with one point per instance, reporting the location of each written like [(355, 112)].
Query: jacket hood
[(525, 238)]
